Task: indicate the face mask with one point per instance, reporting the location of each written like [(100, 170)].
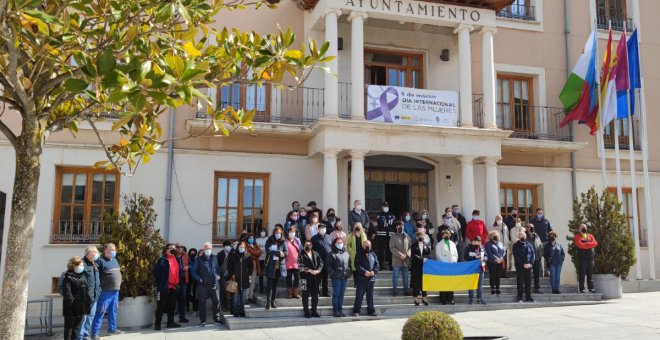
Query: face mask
[(294, 218), (499, 222), (241, 250), (445, 237), (296, 208), (303, 213), (113, 254), (475, 218), (80, 269), (457, 211), (263, 234), (96, 256), (399, 230), (315, 220), (495, 239), (367, 249), (514, 215), (522, 239), (358, 232), (322, 231), (539, 216), (552, 239), (531, 230), (227, 248), (518, 225), (331, 214), (233, 246), (207, 252), (424, 216), (193, 255), (250, 240), (278, 236), (358, 207), (420, 239), (171, 251), (339, 246), (292, 235), (308, 248), (583, 230), (386, 209), (407, 218)]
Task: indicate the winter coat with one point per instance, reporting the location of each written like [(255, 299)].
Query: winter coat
[(554, 254), (400, 245), (504, 233), (523, 253), (541, 227), (338, 264), (365, 262), (205, 270), (274, 262), (385, 224), (222, 262), (255, 253), (535, 241), (294, 248), (473, 252), (239, 268), (161, 273), (494, 251), (417, 265), (93, 277), (513, 233), (476, 228), (462, 221), (306, 262), (76, 301), (585, 244), (312, 230), (353, 246), (322, 244), (354, 216), (410, 229), (446, 254)]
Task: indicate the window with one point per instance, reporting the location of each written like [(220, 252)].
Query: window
[(82, 196), (241, 202), (624, 134), (627, 206), (523, 197), (515, 103), (393, 68), (519, 9), (247, 97), (614, 12)]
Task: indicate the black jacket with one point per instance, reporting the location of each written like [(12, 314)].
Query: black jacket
[(322, 244), (385, 223), (417, 264), (542, 228), (338, 264), (305, 262), (462, 221), (222, 265), (161, 273), (76, 301), (93, 279), (363, 264), (240, 268), (523, 253)]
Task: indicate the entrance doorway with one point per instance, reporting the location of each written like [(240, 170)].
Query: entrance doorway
[(404, 190), (398, 196)]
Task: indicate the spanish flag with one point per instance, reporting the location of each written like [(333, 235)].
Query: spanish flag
[(449, 277)]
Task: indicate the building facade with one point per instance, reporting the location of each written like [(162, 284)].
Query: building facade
[(505, 62)]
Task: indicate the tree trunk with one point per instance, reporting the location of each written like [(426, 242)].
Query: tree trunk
[(20, 237)]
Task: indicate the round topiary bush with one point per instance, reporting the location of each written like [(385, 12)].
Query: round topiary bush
[(431, 325)]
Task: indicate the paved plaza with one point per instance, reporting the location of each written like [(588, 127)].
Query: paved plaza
[(635, 316)]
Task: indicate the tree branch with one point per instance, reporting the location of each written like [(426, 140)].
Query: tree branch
[(12, 71), (8, 133), (3, 9), (100, 139)]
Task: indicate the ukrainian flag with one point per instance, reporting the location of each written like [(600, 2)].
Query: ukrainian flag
[(449, 277)]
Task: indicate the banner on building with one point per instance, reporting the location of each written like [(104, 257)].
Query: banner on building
[(402, 105)]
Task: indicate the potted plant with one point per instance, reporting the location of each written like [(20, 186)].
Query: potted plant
[(615, 253), (139, 247)]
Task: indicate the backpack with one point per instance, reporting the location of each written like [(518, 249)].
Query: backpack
[(60, 283)]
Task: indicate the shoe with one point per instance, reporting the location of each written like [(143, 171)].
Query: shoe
[(558, 291), (529, 300), (203, 324), (593, 291), (444, 303), (470, 302), (336, 315), (173, 325), (242, 314), (356, 314), (289, 294), (116, 332), (492, 292), (272, 304), (372, 314), (236, 315), (268, 303), (307, 316), (342, 315), (95, 337), (416, 303), (537, 291), (582, 291), (498, 292), (452, 302), (184, 320), (157, 327), (520, 301), (220, 321), (295, 293), (326, 295), (316, 315), (481, 302), (393, 292)]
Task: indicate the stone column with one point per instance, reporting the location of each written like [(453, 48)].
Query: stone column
[(467, 184), (357, 64), (492, 191), (488, 74), (465, 73), (357, 176), (331, 93), (330, 181)]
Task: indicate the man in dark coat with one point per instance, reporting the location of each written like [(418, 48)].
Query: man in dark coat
[(366, 266), (206, 272)]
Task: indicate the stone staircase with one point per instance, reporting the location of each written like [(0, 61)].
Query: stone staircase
[(290, 312)]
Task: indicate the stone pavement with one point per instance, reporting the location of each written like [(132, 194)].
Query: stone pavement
[(635, 316)]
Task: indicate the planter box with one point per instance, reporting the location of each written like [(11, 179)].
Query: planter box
[(136, 312), (609, 285)]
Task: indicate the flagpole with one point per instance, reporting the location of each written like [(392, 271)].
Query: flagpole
[(617, 156), (600, 136), (633, 173), (645, 164)]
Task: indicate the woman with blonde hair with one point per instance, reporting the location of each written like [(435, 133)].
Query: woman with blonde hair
[(495, 255)]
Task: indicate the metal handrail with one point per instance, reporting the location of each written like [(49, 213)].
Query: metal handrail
[(518, 11)]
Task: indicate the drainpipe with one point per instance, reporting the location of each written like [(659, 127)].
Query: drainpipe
[(567, 32), (168, 184)]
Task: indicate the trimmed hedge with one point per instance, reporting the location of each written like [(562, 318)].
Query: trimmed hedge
[(431, 325)]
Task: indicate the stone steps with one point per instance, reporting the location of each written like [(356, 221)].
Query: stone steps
[(293, 316)]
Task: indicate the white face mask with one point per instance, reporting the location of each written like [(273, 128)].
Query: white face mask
[(227, 248), (263, 234), (315, 220), (499, 222), (358, 207), (386, 209), (292, 235), (424, 216), (322, 231), (207, 252)]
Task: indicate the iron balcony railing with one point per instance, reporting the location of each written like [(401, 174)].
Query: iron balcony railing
[(624, 135), (477, 110), (618, 22), (76, 231), (518, 11), (533, 122)]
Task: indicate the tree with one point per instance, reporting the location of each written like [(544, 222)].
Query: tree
[(615, 253), (63, 62)]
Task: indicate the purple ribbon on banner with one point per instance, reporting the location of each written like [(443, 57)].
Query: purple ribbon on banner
[(385, 106)]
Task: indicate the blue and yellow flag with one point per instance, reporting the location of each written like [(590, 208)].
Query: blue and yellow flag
[(450, 277)]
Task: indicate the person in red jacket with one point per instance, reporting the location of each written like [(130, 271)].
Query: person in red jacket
[(585, 243), (476, 227)]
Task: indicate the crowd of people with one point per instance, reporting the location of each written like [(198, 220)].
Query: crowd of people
[(309, 249)]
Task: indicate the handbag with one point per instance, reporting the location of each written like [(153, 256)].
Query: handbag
[(232, 286)]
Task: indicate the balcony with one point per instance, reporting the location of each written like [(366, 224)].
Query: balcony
[(518, 12), (618, 22), (76, 232), (624, 135), (533, 122)]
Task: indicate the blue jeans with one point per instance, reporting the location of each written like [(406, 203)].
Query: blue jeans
[(395, 277), (555, 276), (239, 301), (86, 323), (471, 292), (182, 301), (108, 302), (338, 290)]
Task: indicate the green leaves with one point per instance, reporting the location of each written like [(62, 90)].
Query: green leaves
[(75, 85), (105, 62)]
